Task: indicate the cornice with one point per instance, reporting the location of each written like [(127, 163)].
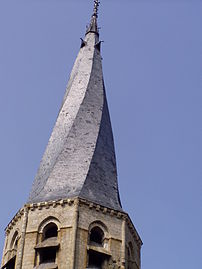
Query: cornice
[(73, 202)]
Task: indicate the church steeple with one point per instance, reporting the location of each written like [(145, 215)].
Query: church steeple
[(79, 160), (73, 218)]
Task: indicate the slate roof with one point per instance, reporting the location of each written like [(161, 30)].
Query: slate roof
[(79, 160)]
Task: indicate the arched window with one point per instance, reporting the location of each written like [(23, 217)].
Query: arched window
[(51, 230), (98, 240), (14, 241), (13, 248), (48, 244), (96, 236)]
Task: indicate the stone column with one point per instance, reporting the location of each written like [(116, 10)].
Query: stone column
[(22, 241), (75, 227), (123, 247)]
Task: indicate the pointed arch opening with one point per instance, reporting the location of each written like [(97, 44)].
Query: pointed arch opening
[(13, 251), (96, 236), (48, 244), (98, 254), (14, 241), (50, 231)]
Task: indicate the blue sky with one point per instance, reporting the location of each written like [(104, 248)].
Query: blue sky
[(152, 61)]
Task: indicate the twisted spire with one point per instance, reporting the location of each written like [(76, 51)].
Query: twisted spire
[(79, 160), (93, 27)]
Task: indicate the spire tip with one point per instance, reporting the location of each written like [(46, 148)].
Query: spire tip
[(93, 24), (96, 6)]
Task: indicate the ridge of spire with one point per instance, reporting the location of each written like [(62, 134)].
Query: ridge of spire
[(93, 26)]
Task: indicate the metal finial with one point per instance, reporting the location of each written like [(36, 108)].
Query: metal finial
[(96, 6), (92, 27)]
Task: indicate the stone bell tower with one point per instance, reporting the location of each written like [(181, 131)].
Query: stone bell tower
[(73, 218)]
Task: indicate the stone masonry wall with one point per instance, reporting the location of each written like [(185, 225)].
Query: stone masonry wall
[(74, 219)]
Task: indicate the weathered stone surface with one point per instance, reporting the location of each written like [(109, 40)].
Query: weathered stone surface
[(50, 242), (120, 236), (47, 266), (80, 159)]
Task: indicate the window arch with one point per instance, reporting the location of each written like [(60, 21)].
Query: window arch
[(13, 245), (48, 244), (47, 221), (96, 236), (14, 241), (49, 231)]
